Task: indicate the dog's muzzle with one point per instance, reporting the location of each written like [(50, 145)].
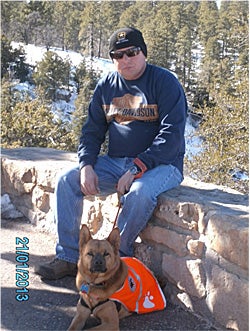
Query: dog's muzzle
[(98, 263)]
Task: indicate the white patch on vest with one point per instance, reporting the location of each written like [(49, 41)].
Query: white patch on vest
[(147, 301)]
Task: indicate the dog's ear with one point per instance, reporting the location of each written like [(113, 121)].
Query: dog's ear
[(84, 236), (115, 239)]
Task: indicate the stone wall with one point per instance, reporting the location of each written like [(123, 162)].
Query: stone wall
[(196, 241)]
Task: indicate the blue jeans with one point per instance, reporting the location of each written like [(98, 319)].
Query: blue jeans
[(137, 205)]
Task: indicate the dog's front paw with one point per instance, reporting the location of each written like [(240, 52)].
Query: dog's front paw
[(82, 314)]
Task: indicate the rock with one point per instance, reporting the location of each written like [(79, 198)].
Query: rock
[(171, 239), (29, 176), (229, 237), (187, 274), (195, 247), (228, 298)]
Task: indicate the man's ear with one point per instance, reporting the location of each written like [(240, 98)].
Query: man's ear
[(115, 239), (84, 236)]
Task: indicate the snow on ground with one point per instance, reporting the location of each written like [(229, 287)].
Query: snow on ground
[(34, 54), (193, 142), (8, 210)]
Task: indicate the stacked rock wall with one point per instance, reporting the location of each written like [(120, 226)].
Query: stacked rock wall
[(196, 241)]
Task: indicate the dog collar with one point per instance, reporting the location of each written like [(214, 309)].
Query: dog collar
[(85, 288)]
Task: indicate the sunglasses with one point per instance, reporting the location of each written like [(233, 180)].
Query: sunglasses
[(129, 52)]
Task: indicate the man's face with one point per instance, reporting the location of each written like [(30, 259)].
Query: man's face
[(130, 67)]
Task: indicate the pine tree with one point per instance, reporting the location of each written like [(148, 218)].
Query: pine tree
[(24, 19), (225, 133), (52, 73), (41, 129), (87, 80), (135, 13), (224, 128), (98, 21), (185, 43), (87, 31), (208, 16), (160, 35), (233, 37), (66, 18), (6, 56), (13, 63), (45, 34), (72, 27), (7, 105)]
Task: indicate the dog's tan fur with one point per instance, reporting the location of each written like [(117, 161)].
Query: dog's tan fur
[(102, 284)]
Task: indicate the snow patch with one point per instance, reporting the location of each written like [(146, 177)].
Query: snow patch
[(8, 210)]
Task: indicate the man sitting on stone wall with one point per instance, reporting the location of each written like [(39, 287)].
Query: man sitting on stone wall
[(143, 108)]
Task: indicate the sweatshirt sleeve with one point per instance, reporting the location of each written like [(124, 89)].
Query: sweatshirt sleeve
[(169, 143), (93, 132)]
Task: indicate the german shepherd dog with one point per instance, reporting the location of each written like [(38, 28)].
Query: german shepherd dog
[(102, 278)]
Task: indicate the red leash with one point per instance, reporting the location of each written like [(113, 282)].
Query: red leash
[(117, 214)]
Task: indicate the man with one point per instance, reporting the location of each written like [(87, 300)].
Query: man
[(143, 108)]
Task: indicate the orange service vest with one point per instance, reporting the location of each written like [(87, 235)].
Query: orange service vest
[(141, 293)]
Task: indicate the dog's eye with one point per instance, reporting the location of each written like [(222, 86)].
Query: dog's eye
[(90, 254), (106, 254)]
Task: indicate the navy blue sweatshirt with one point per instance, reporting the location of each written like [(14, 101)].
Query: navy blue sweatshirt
[(145, 118)]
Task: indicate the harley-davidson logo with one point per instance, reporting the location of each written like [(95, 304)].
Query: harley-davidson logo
[(130, 108)]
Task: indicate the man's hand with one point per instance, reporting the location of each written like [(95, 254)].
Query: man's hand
[(89, 181), (125, 182)]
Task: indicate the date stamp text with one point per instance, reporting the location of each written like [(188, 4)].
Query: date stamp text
[(22, 269)]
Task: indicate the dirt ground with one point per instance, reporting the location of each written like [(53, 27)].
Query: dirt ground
[(50, 305)]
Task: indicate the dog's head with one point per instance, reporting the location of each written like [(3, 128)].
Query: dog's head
[(98, 257)]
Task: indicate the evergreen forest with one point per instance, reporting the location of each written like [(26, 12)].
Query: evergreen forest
[(204, 44)]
